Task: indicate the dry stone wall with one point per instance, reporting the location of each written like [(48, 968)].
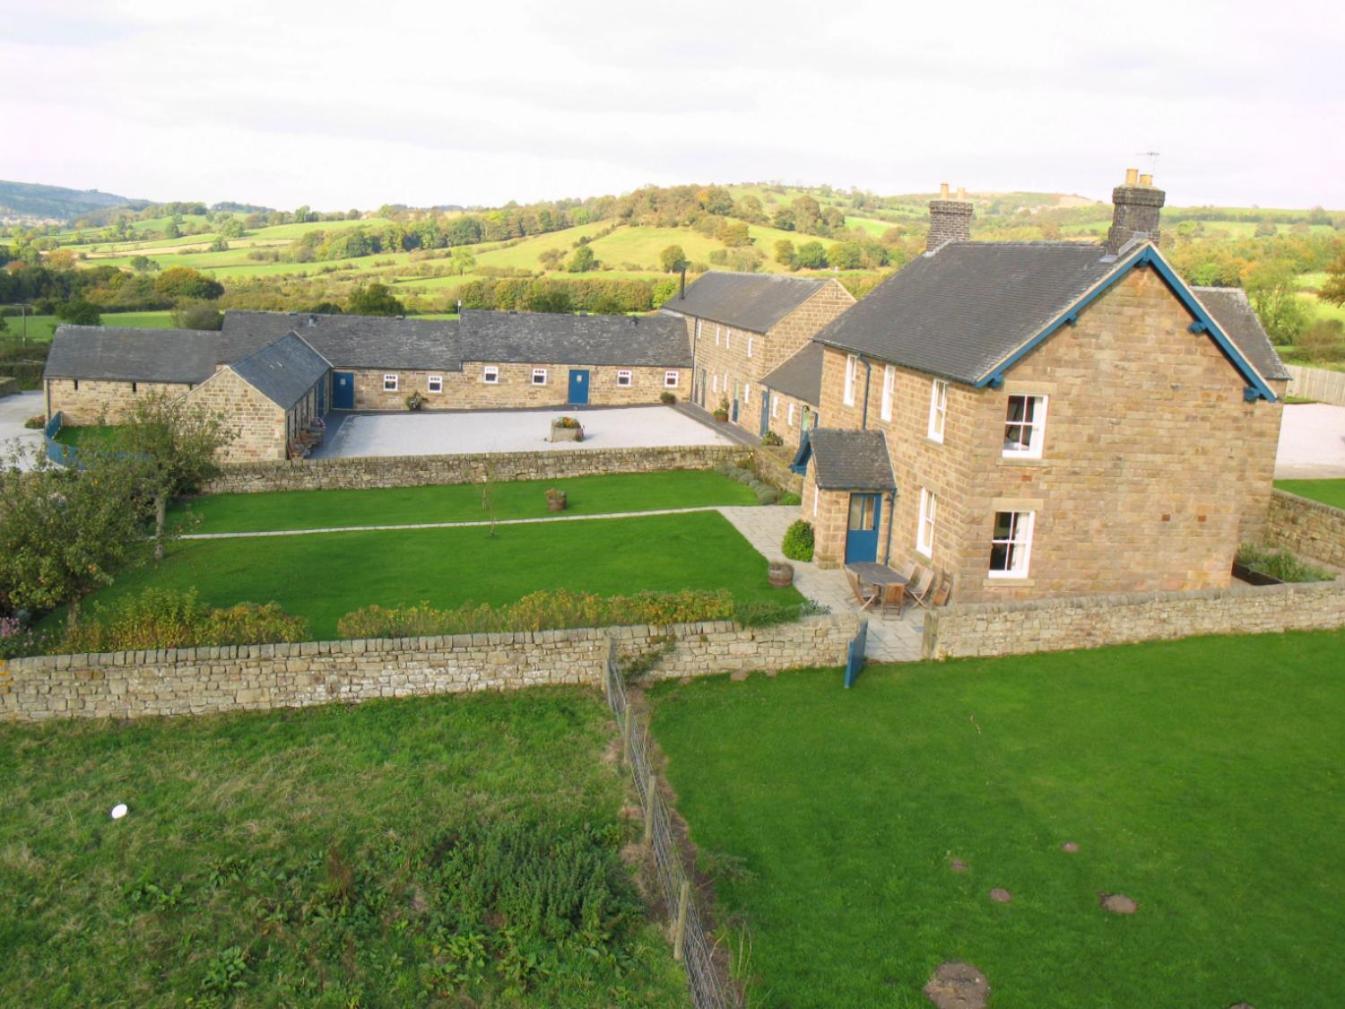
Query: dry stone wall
[(1093, 621), (1308, 528), (416, 471), (200, 681)]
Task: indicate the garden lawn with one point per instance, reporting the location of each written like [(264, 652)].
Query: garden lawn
[(462, 503), (93, 436), (41, 327), (1330, 492), (323, 576), (1204, 778), (296, 858)]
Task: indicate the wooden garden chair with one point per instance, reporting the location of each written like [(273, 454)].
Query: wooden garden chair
[(894, 595), (921, 587), (864, 596)]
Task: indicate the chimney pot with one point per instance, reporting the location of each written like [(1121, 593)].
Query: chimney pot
[(943, 190), (961, 193), (1131, 175), (1147, 181), (1135, 213)]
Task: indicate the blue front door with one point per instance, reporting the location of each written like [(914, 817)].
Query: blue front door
[(578, 387), (343, 390), (861, 534), (765, 411)]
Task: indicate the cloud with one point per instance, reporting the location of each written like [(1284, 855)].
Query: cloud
[(306, 102)]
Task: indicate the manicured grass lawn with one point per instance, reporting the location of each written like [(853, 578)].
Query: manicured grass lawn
[(312, 843), (96, 437), (1203, 778), (521, 499), (324, 576), (1330, 492)]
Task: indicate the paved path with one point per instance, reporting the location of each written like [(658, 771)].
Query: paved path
[(891, 638), (473, 524)]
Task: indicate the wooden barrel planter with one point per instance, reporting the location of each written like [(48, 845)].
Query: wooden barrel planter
[(556, 501), (781, 574)]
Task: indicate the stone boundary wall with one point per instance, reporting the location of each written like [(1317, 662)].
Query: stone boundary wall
[(1321, 384), (772, 468), (1093, 621), (1308, 528), (8, 386), (202, 681), (415, 471)]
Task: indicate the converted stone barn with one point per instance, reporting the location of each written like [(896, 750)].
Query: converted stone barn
[(1044, 419), (742, 326), (271, 373), (795, 390)]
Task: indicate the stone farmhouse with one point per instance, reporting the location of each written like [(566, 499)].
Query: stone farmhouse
[(1043, 419), (272, 373), (742, 326), (795, 391)]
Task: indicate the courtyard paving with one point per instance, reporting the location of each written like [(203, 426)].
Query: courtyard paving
[(14, 410), (891, 638), (1312, 442), (449, 433)]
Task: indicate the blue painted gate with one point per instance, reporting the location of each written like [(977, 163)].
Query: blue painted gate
[(854, 654), (861, 534), (578, 387), (343, 390)]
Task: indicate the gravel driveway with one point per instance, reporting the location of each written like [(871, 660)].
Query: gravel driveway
[(1312, 442), (14, 410)]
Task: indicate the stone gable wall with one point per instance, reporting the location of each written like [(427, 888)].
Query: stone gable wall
[(418, 471), (259, 426), (985, 629), (200, 681), (96, 402), (1307, 528)]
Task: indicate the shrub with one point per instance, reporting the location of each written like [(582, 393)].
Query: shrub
[(167, 618), (771, 438), (566, 422), (415, 401), (667, 398), (1280, 564), (789, 498), (35, 423), (798, 541)]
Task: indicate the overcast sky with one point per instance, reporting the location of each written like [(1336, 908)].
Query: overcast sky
[(339, 105)]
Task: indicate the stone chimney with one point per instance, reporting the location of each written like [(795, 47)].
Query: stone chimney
[(949, 219), (1135, 214)]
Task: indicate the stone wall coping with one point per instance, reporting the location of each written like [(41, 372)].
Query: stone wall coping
[(349, 646), (504, 458), (1307, 502), (1107, 600)]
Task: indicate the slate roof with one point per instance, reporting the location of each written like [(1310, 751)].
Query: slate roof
[(1236, 317), (133, 355), (754, 301), (850, 460), (283, 371), (800, 376), (358, 341), (960, 312), (548, 338)]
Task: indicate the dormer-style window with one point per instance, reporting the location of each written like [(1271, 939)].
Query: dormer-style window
[(1025, 427), (938, 409), (851, 367)]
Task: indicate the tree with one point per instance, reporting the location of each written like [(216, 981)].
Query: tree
[(583, 260), (325, 308), (375, 299), (673, 259), (143, 264), (734, 234), (461, 261), (784, 252), (1334, 288), (198, 315), (64, 533), (846, 255), (811, 256), (179, 282), (1272, 288), (171, 445), (78, 312)]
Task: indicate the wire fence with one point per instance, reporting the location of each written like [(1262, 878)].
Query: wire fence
[(692, 945)]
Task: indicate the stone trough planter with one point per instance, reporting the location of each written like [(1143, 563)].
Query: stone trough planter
[(1245, 574), (560, 431)]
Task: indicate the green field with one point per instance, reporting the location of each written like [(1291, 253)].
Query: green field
[(589, 495), (324, 576), (41, 327), (1202, 778), (391, 854), (1330, 492)]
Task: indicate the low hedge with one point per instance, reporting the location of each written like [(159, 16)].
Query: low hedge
[(167, 618), (555, 610)]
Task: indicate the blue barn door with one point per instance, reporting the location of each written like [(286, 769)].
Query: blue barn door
[(578, 387), (861, 534), (343, 390)]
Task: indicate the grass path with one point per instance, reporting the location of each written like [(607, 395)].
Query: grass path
[(396, 506), (1202, 777)]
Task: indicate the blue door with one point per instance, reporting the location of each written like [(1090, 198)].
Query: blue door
[(765, 411), (343, 390), (861, 534), (578, 387)]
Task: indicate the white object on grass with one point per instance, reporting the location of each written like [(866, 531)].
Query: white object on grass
[(118, 811)]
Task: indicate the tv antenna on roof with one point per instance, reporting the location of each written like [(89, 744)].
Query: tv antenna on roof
[(1153, 160)]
